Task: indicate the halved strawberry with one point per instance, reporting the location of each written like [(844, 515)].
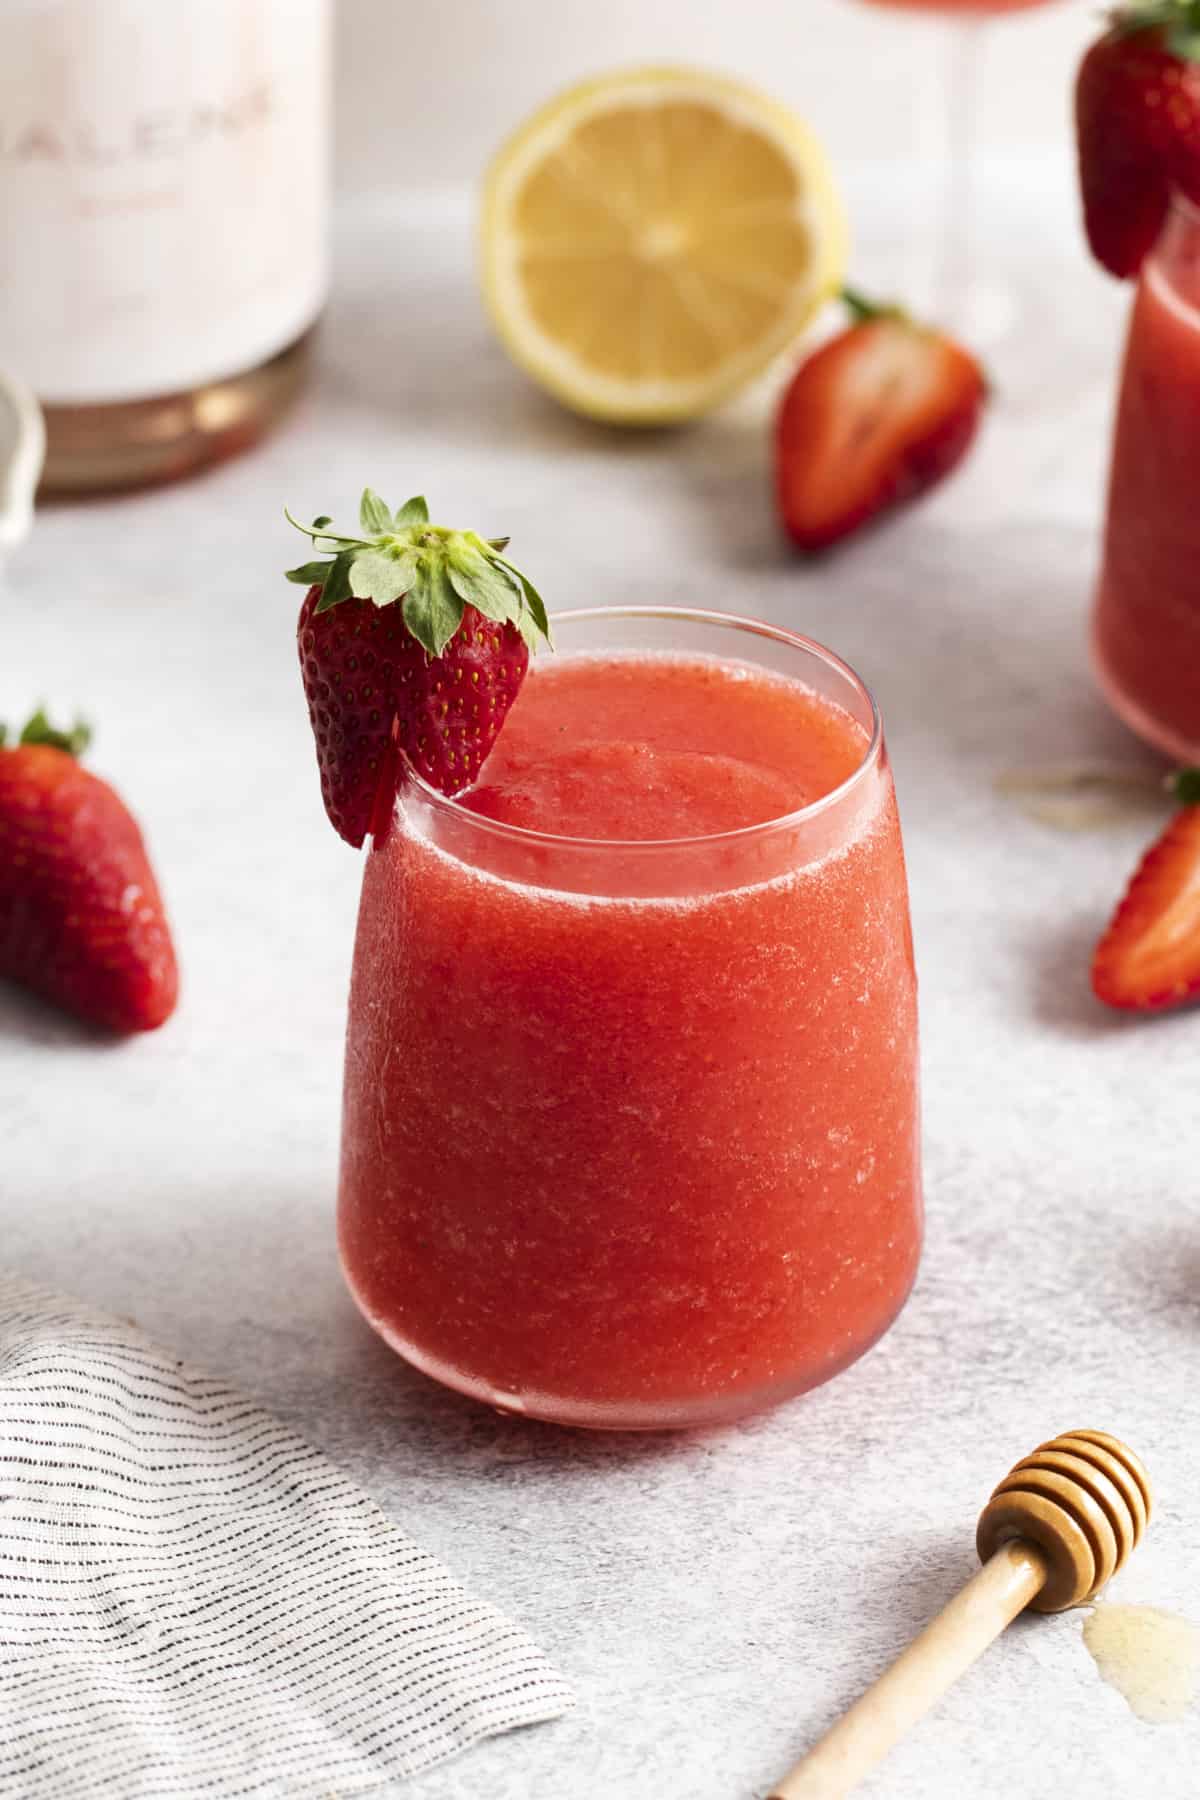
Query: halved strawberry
[(1137, 122), (875, 417), (1149, 958), (414, 641)]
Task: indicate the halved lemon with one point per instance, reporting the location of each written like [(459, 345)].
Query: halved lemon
[(652, 238)]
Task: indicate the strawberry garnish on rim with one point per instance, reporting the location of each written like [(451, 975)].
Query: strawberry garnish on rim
[(1137, 120), (1149, 958), (872, 419), (414, 641)]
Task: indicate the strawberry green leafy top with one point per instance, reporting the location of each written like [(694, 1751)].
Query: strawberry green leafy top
[(1180, 17), (435, 573), (39, 730)]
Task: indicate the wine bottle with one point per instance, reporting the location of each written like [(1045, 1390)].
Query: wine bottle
[(163, 215)]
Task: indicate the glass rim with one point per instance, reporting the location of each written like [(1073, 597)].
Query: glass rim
[(450, 806)]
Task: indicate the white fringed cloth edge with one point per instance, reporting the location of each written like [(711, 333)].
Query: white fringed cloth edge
[(196, 1603)]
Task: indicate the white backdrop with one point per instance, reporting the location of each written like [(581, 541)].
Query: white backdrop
[(428, 87)]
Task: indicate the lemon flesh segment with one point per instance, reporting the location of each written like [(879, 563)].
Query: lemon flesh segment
[(651, 241)]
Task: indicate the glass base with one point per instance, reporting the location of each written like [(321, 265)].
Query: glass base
[(654, 1415), (139, 443), (1159, 737)]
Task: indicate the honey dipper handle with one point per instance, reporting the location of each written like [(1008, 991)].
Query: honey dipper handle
[(933, 1661)]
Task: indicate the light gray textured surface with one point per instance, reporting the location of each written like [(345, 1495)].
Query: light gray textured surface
[(714, 1599)]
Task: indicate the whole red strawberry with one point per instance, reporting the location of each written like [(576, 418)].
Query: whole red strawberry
[(1137, 118), (81, 921), (414, 641), (873, 418)]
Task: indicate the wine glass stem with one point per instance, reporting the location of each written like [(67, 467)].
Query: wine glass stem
[(961, 101)]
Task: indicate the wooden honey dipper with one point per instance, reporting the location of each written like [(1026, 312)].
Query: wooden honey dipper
[(1052, 1535)]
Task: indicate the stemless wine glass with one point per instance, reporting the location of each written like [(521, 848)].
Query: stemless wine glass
[(960, 300), (1146, 628), (631, 1128)]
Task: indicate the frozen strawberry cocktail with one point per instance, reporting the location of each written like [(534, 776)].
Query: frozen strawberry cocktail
[(1137, 106), (989, 7), (630, 1132), (1147, 621)]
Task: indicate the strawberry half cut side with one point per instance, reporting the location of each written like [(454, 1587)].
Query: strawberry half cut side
[(1149, 958), (872, 419), (414, 640)]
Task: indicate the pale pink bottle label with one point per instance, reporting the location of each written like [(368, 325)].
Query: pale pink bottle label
[(163, 189)]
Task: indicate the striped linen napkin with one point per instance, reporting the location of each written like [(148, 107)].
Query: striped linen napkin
[(194, 1602)]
